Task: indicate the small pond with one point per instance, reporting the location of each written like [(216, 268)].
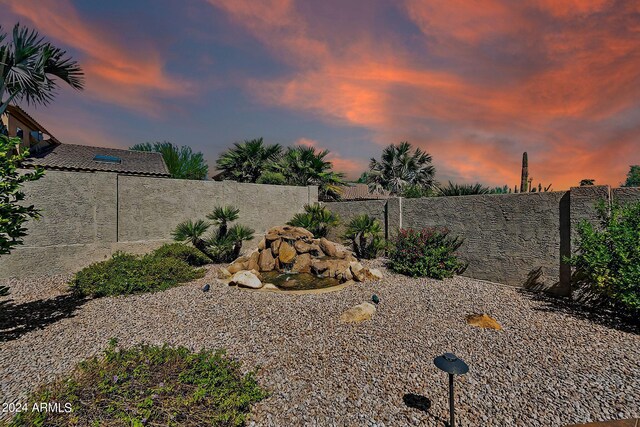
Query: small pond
[(298, 281)]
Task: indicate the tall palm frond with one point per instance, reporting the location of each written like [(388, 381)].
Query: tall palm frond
[(247, 161), (30, 68), (222, 216), (181, 162), (399, 167)]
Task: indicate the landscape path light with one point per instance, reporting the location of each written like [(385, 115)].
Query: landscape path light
[(452, 365)]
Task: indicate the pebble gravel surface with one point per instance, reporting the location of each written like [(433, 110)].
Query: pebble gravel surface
[(548, 367)]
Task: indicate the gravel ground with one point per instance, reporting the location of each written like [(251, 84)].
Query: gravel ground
[(548, 367)]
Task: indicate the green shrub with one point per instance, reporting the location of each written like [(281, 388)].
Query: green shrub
[(425, 253), (607, 262), (149, 385), (365, 236), (188, 254), (125, 274), (315, 218)]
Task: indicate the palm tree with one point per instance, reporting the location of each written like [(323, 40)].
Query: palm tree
[(452, 189), (222, 216), (315, 218), (633, 177), (365, 235), (193, 232), (181, 162), (29, 67), (238, 234), (587, 181), (304, 166), (399, 167), (248, 160)]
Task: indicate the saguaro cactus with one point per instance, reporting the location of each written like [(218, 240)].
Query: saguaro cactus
[(524, 179)]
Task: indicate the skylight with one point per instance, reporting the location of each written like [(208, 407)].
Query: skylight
[(106, 159)]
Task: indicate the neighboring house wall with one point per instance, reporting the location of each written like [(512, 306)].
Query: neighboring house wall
[(88, 216), (515, 239)]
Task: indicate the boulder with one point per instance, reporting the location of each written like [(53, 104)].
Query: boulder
[(289, 233), (262, 244), (275, 247), (302, 264), (358, 271), (286, 253), (483, 321), (269, 287), (359, 313), (238, 265), (252, 264), (303, 247), (246, 279), (373, 274), (223, 273), (328, 247), (266, 262)]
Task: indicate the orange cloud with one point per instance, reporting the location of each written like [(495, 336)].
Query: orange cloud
[(133, 79), (551, 78)]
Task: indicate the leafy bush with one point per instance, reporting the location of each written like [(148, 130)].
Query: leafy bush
[(125, 274), (365, 235), (225, 244), (315, 218), (188, 254), (425, 253), (149, 385), (607, 262)]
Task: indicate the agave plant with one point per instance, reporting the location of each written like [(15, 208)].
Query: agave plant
[(194, 233), (365, 235), (315, 218)]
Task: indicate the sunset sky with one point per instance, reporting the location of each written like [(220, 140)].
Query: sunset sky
[(474, 83)]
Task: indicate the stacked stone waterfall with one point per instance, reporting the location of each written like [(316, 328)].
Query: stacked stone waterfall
[(290, 249)]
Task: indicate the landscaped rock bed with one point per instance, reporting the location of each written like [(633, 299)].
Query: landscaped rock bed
[(290, 258), (545, 368)]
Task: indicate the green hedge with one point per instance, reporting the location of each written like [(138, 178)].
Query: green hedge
[(125, 274)]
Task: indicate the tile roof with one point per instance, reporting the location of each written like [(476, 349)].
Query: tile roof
[(361, 192), (81, 158)]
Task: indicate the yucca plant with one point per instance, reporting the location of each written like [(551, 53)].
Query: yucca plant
[(365, 235), (315, 218)]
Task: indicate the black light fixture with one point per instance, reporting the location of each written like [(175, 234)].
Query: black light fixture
[(375, 299), (450, 364)]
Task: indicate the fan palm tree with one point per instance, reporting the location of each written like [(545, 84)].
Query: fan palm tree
[(30, 67), (315, 218), (399, 167), (193, 232), (306, 166), (452, 189), (247, 161), (365, 235), (181, 162), (222, 216)]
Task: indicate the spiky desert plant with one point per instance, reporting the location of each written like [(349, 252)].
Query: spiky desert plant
[(222, 216), (194, 233), (315, 218), (181, 162), (365, 235), (238, 234), (452, 189)]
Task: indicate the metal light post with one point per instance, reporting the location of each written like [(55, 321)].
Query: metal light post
[(450, 364)]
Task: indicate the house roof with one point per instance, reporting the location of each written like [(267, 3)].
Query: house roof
[(83, 158), (24, 117), (362, 192)]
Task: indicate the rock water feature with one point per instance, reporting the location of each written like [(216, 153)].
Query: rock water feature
[(290, 258)]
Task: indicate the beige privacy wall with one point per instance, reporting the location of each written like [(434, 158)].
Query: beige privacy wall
[(88, 216), (514, 239)]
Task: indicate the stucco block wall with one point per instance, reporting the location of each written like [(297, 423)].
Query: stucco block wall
[(512, 239), (88, 216), (515, 239)]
